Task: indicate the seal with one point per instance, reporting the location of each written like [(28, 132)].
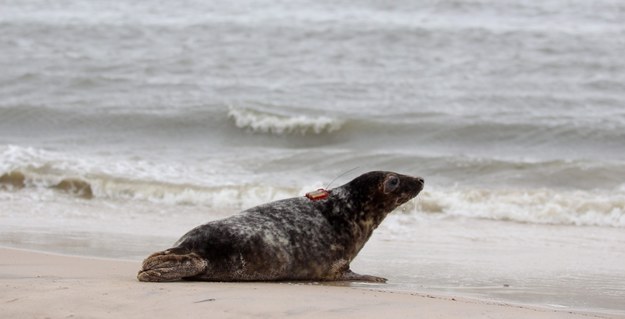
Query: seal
[(293, 239)]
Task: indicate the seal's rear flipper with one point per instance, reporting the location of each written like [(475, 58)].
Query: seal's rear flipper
[(349, 275), (171, 265)]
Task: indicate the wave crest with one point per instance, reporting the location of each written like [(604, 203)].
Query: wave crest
[(533, 206), (538, 206), (264, 122)]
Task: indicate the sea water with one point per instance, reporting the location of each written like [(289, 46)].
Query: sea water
[(125, 123)]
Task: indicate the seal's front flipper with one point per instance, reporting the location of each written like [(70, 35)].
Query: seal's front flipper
[(171, 265), (349, 275)]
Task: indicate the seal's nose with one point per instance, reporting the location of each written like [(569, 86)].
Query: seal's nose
[(420, 180)]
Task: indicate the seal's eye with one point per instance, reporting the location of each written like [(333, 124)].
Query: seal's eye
[(390, 184)]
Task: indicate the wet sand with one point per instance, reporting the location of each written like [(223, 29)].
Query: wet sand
[(38, 285)]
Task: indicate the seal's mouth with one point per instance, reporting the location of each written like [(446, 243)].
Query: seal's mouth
[(418, 185), (421, 183)]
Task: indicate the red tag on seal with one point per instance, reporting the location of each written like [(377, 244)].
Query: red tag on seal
[(318, 194)]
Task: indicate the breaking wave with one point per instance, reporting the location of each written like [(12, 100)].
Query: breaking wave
[(35, 171), (534, 206), (169, 193), (270, 123)]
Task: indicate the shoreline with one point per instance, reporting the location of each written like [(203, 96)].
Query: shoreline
[(40, 284)]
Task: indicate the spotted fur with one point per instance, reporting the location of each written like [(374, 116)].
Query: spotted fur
[(291, 239)]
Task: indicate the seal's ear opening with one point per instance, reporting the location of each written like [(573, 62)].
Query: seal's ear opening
[(391, 183)]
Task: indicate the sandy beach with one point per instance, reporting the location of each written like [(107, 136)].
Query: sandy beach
[(41, 285)]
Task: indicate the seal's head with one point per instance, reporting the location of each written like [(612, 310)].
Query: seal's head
[(382, 192)]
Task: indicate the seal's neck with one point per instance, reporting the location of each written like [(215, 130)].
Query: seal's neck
[(355, 216)]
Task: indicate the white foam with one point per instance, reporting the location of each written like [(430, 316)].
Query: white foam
[(542, 206), (166, 184), (14, 156), (263, 122), (229, 197)]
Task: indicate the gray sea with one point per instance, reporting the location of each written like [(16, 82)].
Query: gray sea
[(125, 123)]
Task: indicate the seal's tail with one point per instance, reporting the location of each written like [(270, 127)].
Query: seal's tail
[(171, 265)]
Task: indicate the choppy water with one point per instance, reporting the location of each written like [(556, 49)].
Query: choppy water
[(151, 113)]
